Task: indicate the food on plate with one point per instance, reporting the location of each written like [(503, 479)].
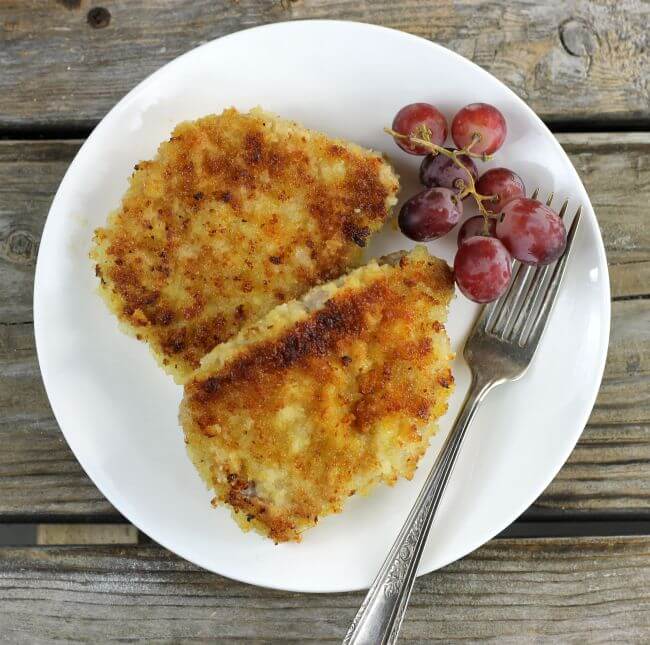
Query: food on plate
[(479, 127), (531, 231), (476, 226), (503, 184), (430, 214), (441, 170), (526, 229), (236, 214), (324, 397), (423, 121), (482, 268)]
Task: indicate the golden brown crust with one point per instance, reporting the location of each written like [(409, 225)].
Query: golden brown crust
[(303, 409), (236, 214)]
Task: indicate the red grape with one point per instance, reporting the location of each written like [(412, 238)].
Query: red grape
[(503, 183), (476, 226), (482, 268), (531, 231), (480, 120), (410, 119), (440, 170), (430, 214)]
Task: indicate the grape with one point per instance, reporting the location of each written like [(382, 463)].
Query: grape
[(410, 119), (440, 170), (476, 226), (430, 214), (501, 182), (482, 120), (531, 231), (482, 268)]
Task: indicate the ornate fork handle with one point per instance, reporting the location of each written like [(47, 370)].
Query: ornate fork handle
[(380, 616)]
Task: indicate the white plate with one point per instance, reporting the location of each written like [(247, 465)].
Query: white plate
[(118, 410)]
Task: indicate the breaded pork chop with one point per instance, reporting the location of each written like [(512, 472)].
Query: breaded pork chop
[(236, 214), (324, 397)]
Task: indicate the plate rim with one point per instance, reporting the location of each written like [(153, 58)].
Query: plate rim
[(605, 303)]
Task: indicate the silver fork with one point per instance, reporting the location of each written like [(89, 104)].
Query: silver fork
[(500, 348)]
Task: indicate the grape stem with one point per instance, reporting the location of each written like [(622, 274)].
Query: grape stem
[(470, 187)]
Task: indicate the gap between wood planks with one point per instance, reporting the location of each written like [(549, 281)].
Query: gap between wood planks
[(83, 131), (83, 534)]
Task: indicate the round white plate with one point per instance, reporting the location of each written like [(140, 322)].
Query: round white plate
[(118, 410)]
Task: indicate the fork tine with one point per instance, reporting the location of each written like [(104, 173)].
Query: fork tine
[(539, 322), (503, 317), (510, 311), (504, 304), (531, 295)]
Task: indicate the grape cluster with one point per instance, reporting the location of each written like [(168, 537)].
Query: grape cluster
[(510, 225)]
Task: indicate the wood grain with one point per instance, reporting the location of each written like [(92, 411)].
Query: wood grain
[(608, 472), (30, 173), (39, 476), (577, 590), (578, 60), (615, 168), (78, 534)]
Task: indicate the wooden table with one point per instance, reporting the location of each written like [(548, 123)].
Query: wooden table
[(575, 567)]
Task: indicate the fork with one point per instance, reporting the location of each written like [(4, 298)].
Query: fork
[(500, 348)]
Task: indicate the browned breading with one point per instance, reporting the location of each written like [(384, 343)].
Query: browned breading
[(236, 214), (324, 397)]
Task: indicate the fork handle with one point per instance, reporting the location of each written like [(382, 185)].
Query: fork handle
[(381, 613)]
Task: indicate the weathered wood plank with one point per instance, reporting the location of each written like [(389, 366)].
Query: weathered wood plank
[(30, 173), (92, 534), (579, 60), (608, 472), (579, 590), (613, 166), (39, 476), (631, 279)]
